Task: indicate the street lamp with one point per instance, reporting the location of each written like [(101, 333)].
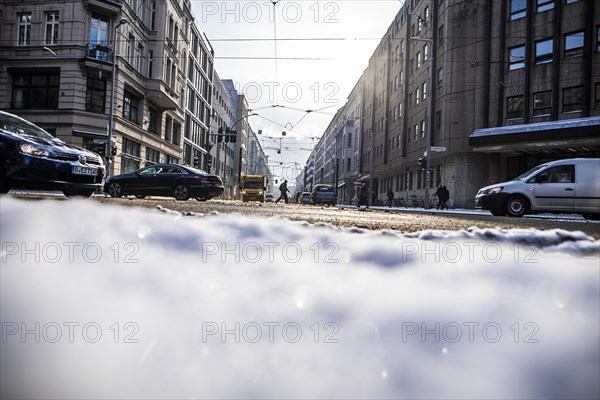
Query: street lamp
[(111, 112), (430, 120)]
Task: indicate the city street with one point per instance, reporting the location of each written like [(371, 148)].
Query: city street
[(404, 220)]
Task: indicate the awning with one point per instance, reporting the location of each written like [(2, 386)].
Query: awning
[(362, 179), (341, 184), (89, 134), (564, 131)]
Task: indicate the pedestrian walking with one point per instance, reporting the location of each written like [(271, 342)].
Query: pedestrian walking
[(444, 195), (284, 191), (390, 196)]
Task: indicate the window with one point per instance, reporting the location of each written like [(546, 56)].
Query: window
[(168, 128), (98, 38), (572, 1), (418, 59), (598, 38), (544, 5), (130, 48), (24, 29), (559, 174), (129, 164), (573, 99), (424, 90), (139, 57), (416, 133), (95, 96), (423, 128), (425, 52), (150, 62), (35, 91), (130, 107), (418, 95), (516, 58), (52, 27), (154, 120), (518, 9), (597, 102), (131, 148), (152, 156), (438, 120), (176, 133), (440, 77), (441, 35), (543, 51), (515, 107), (542, 103), (574, 44), (153, 16)]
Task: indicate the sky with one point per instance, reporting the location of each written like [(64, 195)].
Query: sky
[(320, 51), (139, 303)]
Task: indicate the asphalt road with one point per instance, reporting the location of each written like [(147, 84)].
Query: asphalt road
[(404, 220)]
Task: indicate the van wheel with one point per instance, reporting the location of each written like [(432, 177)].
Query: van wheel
[(593, 217), (498, 212), (516, 206)]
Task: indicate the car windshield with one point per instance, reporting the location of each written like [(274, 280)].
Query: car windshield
[(528, 173), (253, 185), (19, 126), (324, 189)]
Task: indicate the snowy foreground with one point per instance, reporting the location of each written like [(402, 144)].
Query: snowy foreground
[(111, 302)]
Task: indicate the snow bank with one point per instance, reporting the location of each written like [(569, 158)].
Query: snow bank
[(108, 302)]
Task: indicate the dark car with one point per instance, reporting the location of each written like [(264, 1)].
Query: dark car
[(174, 180), (305, 198), (324, 194), (31, 158)]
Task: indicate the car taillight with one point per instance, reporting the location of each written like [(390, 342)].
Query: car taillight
[(202, 179)]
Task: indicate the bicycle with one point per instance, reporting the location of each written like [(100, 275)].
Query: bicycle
[(399, 202)]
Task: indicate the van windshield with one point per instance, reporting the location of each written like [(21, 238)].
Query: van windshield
[(253, 185), (528, 173)]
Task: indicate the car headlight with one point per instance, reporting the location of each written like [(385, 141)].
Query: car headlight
[(32, 150), (493, 190)]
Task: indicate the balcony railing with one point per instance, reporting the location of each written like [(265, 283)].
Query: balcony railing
[(98, 52)]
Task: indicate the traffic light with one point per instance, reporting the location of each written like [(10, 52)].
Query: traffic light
[(227, 132), (220, 135), (233, 137), (422, 163), (197, 162), (101, 149)]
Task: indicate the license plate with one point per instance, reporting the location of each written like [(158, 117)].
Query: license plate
[(77, 170)]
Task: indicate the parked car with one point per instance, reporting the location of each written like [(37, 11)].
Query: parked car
[(305, 198), (174, 180), (269, 198), (324, 194), (563, 186), (31, 158)]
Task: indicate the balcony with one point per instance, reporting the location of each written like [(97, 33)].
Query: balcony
[(107, 7), (161, 95), (96, 57)]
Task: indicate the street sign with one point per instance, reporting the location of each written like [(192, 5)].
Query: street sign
[(438, 149), (99, 141)]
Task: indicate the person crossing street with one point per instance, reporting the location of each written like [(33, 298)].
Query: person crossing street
[(284, 191)]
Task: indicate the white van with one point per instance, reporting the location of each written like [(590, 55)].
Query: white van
[(563, 186)]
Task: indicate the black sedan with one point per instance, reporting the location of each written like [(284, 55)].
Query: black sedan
[(31, 158), (174, 180)]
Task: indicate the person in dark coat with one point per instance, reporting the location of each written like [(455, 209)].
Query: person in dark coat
[(284, 191), (390, 196), (444, 196)]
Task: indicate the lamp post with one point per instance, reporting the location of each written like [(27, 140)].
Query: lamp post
[(429, 120), (111, 112)]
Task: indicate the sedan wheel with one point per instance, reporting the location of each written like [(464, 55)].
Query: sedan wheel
[(201, 198), (181, 192), (515, 206), (140, 196), (115, 189)]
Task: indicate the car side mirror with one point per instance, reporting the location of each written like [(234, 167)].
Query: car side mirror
[(541, 178)]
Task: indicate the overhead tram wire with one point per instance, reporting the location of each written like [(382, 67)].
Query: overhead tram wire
[(274, 2)]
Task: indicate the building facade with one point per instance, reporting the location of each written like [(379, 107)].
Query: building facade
[(498, 86)]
